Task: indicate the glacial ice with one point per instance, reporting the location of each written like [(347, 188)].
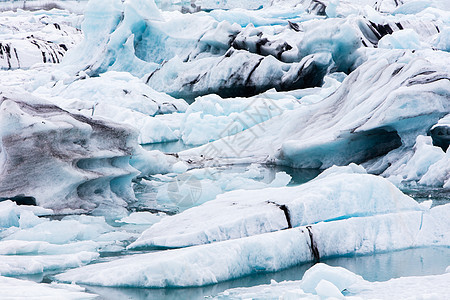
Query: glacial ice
[(340, 279), (211, 117), (269, 252), (63, 160), (195, 187), (13, 288), (427, 165), (47, 245), (405, 93), (38, 39), (377, 94), (119, 97), (12, 265), (339, 194)]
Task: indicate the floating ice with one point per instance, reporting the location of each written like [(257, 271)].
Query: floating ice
[(417, 287), (220, 261), (340, 195), (427, 165), (28, 38), (13, 265), (13, 288), (141, 218), (404, 94), (199, 186), (61, 160), (120, 97)]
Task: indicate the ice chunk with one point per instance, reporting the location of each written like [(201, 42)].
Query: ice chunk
[(403, 39), (13, 288), (328, 290), (8, 215), (219, 75), (416, 287), (358, 126), (29, 38), (141, 217), (119, 89), (12, 265), (212, 263), (179, 167), (339, 277), (64, 231), (211, 117), (244, 213), (63, 160), (20, 247), (198, 186), (427, 165)]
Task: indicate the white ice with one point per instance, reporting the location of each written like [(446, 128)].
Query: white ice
[(340, 193), (269, 252), (322, 281)]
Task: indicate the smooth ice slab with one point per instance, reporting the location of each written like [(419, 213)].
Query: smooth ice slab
[(13, 288), (339, 193), (322, 281), (220, 261), (381, 106)]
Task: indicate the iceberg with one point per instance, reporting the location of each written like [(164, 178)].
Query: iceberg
[(28, 38), (322, 281), (60, 160), (121, 98), (211, 263), (13, 288), (12, 265), (428, 165), (405, 94), (338, 194), (195, 187)]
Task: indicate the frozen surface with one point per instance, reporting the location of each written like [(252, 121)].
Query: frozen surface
[(324, 281), (61, 160), (337, 194), (212, 263), (35, 37), (404, 95), (13, 288)]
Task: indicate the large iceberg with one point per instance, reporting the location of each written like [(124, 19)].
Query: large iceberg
[(405, 94), (248, 92), (38, 39), (333, 219), (331, 196), (60, 160), (269, 252)]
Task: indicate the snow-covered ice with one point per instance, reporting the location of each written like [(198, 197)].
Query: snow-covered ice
[(232, 97), (269, 252), (337, 194), (322, 281), (13, 288)]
